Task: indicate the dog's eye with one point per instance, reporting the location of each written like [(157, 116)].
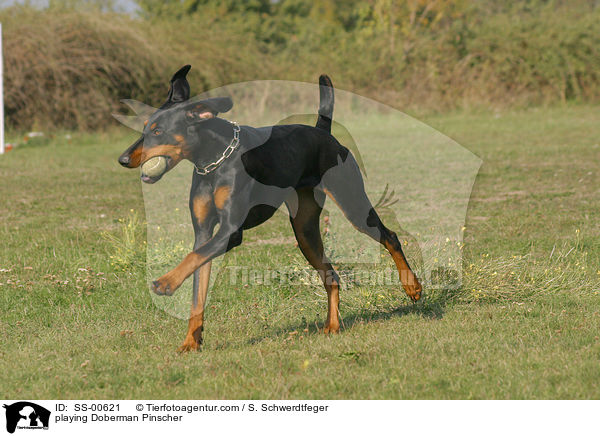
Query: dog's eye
[(156, 132)]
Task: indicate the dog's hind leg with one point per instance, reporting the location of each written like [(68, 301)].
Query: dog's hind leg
[(344, 185), (305, 223)]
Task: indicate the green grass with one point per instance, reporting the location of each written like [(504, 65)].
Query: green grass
[(78, 320)]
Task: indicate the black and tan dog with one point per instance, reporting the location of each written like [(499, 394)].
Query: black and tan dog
[(243, 175)]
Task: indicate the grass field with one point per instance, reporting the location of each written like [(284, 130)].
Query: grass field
[(78, 320)]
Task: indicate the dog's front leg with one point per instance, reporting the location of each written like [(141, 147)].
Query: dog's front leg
[(224, 240), (231, 215), (193, 337), (203, 228)]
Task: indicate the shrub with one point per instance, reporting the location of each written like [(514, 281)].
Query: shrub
[(69, 68)]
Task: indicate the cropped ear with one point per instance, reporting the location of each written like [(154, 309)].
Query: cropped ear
[(209, 108), (218, 104), (180, 88)]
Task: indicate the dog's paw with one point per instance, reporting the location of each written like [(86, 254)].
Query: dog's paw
[(188, 346), (163, 286), (414, 292), (331, 329)]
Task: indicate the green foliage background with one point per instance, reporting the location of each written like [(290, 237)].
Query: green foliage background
[(68, 64)]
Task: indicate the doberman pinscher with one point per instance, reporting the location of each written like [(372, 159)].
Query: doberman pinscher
[(243, 175)]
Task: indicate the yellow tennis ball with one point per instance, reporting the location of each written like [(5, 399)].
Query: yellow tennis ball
[(154, 167)]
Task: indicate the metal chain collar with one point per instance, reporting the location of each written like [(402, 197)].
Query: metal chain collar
[(235, 142)]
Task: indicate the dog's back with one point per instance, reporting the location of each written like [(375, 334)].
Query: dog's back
[(314, 149), (294, 155)]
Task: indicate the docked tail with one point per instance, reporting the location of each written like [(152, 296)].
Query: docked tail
[(325, 103)]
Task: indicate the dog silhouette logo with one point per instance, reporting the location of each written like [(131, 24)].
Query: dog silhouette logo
[(26, 415)]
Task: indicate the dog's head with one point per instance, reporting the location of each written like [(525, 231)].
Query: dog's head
[(176, 130)]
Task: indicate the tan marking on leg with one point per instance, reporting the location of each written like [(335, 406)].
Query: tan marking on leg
[(222, 194), (193, 338), (179, 138), (201, 207), (333, 303), (409, 281), (168, 283)]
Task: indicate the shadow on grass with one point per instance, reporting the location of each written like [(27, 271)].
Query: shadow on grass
[(433, 310)]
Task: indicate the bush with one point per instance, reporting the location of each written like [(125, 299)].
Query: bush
[(69, 68)]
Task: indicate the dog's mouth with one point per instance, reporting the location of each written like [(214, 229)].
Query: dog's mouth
[(153, 169), (150, 180)]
